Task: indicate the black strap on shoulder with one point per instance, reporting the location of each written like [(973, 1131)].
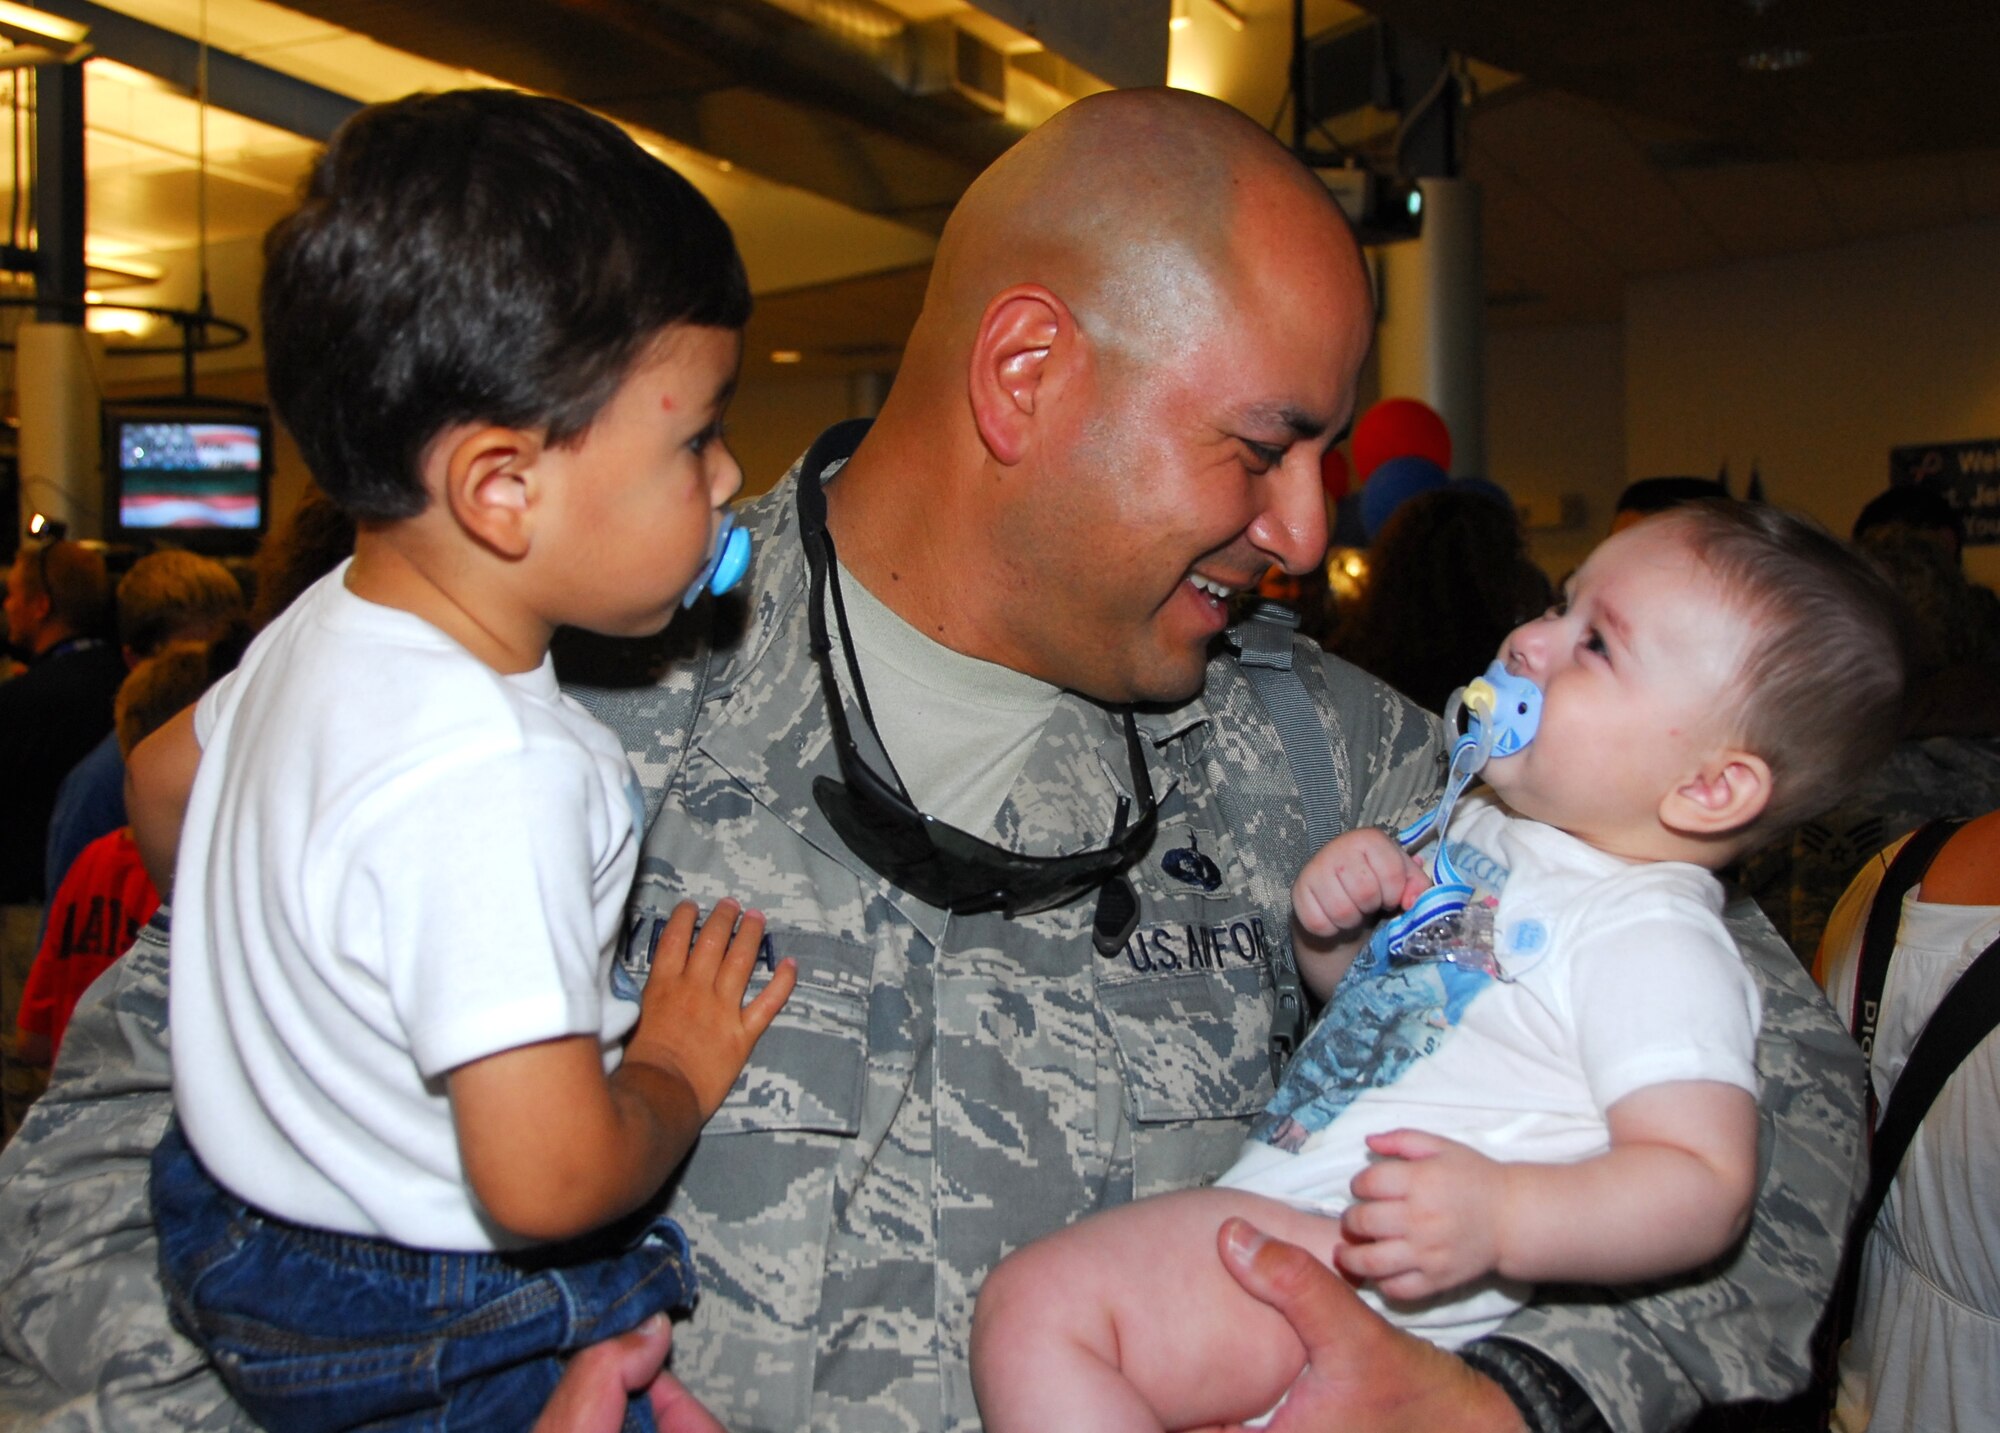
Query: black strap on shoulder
[(1969, 1012), (1878, 936)]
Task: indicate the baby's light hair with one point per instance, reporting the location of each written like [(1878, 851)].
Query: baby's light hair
[(1822, 686)]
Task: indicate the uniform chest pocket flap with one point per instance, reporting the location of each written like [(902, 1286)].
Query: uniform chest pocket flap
[(808, 1071), (1194, 1043)]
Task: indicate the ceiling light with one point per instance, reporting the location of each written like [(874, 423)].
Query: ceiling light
[(120, 273), (111, 318), (103, 69), (787, 355), (859, 19), (41, 25), (1177, 16), (39, 38)]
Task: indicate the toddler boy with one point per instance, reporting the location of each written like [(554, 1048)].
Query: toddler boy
[(410, 1169), (1558, 1083)]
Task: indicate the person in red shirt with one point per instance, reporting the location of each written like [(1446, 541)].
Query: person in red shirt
[(106, 897)]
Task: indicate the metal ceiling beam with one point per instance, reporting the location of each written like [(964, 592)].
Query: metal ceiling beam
[(1122, 42), (234, 83), (737, 79)]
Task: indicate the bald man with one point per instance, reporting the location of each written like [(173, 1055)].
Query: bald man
[(975, 744), (1144, 327)]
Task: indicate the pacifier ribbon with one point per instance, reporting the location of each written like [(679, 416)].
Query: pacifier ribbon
[(1502, 712)]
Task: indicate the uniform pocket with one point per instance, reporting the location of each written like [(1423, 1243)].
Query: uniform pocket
[(808, 1072), (1194, 1044)]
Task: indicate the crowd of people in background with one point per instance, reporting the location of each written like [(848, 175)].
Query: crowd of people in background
[(94, 666)]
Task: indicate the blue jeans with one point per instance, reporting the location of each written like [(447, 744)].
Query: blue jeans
[(315, 1330)]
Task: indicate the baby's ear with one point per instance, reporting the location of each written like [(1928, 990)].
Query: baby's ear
[(485, 476), (1729, 792)]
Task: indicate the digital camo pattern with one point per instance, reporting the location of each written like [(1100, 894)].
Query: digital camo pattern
[(939, 1090), (85, 1342), (942, 1090), (1651, 1361)]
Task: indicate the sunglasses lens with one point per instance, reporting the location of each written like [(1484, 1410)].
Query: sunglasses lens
[(888, 841), (944, 867)]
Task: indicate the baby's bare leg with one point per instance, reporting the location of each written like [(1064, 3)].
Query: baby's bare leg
[(1128, 1320)]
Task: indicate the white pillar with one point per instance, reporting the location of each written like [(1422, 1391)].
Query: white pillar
[(1431, 343), (59, 386)]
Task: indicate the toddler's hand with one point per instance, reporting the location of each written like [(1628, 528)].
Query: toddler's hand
[(692, 1018), (1352, 879), (1426, 1217)]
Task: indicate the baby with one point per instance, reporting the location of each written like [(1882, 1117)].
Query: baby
[(1556, 1082)]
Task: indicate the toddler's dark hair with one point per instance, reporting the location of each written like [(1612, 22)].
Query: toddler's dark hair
[(476, 256)]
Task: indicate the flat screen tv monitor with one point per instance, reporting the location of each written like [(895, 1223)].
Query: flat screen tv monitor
[(193, 475)]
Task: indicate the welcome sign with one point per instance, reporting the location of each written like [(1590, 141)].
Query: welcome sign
[(1968, 474)]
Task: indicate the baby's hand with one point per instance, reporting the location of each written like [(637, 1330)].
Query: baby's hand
[(1352, 879), (692, 1018), (1425, 1218)]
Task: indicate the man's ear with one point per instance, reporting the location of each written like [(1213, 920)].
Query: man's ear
[(1021, 342), (1728, 793), (486, 479)]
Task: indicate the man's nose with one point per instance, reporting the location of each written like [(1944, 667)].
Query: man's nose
[(1291, 530)]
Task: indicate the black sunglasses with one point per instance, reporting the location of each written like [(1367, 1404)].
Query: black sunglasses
[(938, 863)]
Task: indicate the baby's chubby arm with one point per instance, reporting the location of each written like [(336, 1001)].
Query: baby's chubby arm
[(1672, 1192), (554, 1149), (1348, 883)]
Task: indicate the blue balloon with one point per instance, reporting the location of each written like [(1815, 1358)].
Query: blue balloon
[(1393, 484)]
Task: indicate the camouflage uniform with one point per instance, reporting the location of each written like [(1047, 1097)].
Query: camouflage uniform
[(942, 1089)]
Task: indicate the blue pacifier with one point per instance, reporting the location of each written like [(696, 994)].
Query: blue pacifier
[(1502, 713), (728, 560), (1511, 706)]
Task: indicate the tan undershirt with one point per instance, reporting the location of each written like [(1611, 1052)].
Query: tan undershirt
[(959, 729)]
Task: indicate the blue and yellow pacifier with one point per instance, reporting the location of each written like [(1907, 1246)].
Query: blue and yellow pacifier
[(1502, 712), (728, 560), (1507, 706)]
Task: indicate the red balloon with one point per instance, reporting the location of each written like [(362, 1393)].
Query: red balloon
[(1333, 474), (1400, 428)]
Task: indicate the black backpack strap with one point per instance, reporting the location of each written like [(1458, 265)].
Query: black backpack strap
[(1878, 936), (1969, 1012)]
